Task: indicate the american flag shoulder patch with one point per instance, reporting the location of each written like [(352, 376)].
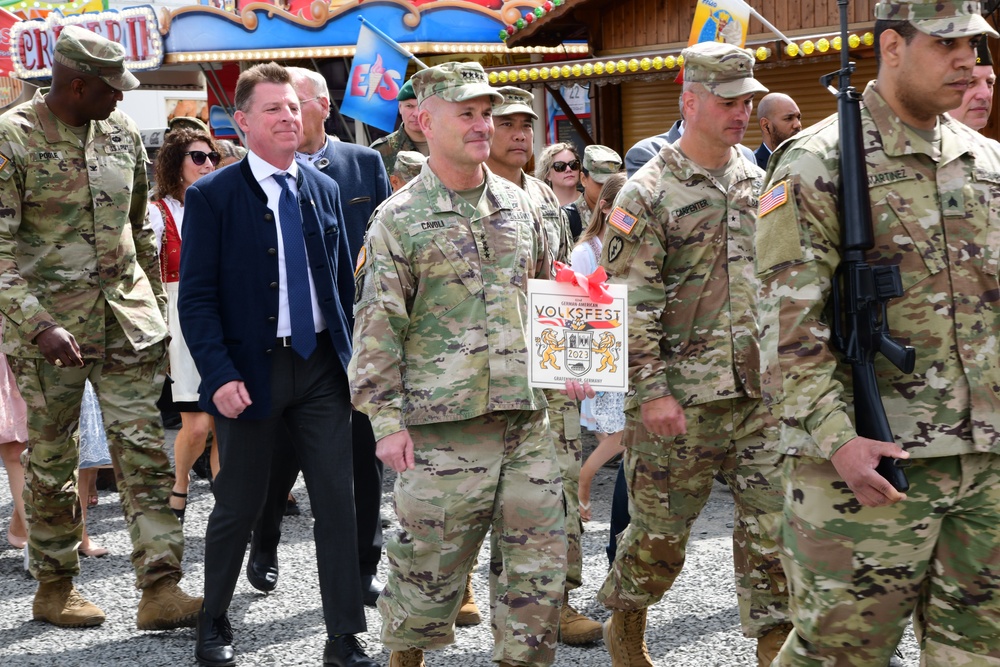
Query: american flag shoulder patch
[(622, 220), (773, 198)]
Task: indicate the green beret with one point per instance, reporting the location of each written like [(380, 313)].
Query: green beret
[(406, 92)]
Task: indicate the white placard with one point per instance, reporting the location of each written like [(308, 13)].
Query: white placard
[(574, 338)]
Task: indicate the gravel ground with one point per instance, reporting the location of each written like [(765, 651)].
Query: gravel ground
[(696, 625)]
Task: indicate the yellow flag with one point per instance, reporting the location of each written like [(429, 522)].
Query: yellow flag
[(720, 21)]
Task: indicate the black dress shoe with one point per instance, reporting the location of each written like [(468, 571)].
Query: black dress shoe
[(346, 651), (214, 641), (262, 568), (371, 588)]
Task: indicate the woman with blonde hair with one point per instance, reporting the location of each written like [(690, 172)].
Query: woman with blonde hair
[(605, 413), (559, 166)]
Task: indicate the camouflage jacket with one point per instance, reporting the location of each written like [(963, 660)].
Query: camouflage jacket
[(440, 328), (71, 232), (684, 247), (554, 217), (391, 144), (935, 215)]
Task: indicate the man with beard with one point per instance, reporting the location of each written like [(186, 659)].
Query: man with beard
[(779, 118)]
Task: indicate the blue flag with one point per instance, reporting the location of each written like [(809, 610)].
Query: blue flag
[(376, 75)]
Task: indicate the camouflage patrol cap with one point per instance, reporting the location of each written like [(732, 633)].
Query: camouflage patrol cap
[(515, 100), (601, 162), (189, 122), (453, 82), (938, 18), (406, 92), (408, 165), (725, 70), (87, 52)]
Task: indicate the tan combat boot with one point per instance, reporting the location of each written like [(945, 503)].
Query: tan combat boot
[(576, 629), (770, 644), (625, 637), (165, 606), (469, 613), (58, 602), (411, 657)]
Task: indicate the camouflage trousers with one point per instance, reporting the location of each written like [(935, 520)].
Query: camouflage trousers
[(856, 574), (669, 482), (127, 386), (564, 424), (495, 471)]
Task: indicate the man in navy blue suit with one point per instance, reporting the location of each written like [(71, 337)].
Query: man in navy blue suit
[(779, 119), (266, 284), (360, 175)]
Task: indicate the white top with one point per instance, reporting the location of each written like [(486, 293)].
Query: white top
[(585, 256), (264, 171), (155, 219)]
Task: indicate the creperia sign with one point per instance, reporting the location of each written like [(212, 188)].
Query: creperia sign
[(135, 28)]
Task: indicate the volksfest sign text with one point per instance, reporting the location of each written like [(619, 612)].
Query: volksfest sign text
[(135, 28)]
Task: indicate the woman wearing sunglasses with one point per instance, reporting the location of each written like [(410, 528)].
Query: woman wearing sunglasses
[(559, 167), (186, 156)]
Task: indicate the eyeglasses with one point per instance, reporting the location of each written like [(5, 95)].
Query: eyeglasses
[(199, 157), (560, 167), (308, 99)]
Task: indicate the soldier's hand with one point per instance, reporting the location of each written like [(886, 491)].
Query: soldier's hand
[(59, 347), (578, 391), (856, 461), (232, 399), (664, 416), (396, 451)]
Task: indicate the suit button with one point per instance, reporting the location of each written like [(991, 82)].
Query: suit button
[(268, 217), (272, 319), (273, 285), (268, 351), (272, 251)]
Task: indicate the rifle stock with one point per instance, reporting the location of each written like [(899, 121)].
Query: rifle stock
[(861, 291)]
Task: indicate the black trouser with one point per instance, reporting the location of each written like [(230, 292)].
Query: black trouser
[(310, 416), (367, 497)]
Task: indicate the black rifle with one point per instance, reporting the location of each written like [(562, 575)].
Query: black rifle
[(861, 292)]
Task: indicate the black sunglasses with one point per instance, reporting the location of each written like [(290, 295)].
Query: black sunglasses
[(560, 167), (198, 157)]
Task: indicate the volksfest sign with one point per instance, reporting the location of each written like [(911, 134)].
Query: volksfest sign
[(135, 28)]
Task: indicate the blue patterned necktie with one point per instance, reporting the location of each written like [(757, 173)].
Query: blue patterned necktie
[(300, 313)]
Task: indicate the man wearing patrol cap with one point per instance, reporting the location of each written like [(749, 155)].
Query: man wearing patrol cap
[(681, 238), (599, 162), (408, 137), (861, 557), (977, 103), (510, 151), (80, 289), (440, 354), (407, 167)]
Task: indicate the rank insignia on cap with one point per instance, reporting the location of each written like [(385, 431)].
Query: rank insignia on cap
[(621, 220), (362, 256), (773, 198)]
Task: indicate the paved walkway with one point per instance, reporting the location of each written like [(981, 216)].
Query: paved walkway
[(696, 625)]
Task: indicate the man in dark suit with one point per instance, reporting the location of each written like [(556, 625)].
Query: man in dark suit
[(266, 284), (779, 119), (361, 178)]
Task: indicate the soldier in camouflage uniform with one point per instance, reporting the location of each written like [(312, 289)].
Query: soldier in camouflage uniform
[(80, 287), (599, 162), (681, 238), (440, 366), (408, 137), (510, 151), (860, 556), (407, 167)]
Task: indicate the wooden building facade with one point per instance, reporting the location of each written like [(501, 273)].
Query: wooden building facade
[(630, 103)]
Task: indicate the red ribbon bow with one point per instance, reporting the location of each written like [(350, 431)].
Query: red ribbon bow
[(593, 285)]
